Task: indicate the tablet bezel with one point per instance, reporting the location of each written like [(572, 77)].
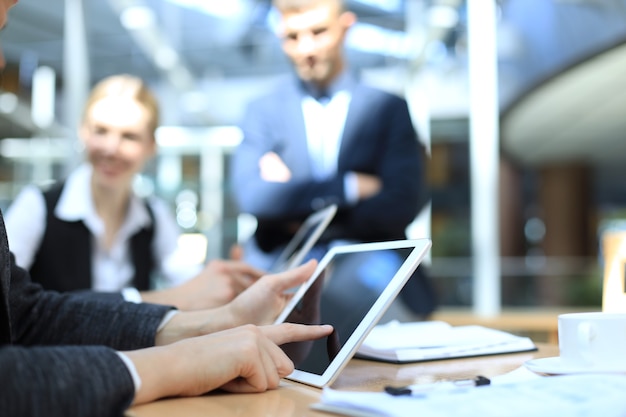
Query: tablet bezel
[(419, 250), (322, 218)]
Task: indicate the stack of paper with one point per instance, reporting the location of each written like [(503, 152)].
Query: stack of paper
[(585, 395), (432, 340)]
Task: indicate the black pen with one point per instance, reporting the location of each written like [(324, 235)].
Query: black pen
[(437, 386)]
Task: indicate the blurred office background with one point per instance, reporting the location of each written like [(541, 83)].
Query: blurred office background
[(562, 99)]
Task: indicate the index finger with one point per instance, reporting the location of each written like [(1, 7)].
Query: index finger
[(293, 277), (292, 332), (246, 269)]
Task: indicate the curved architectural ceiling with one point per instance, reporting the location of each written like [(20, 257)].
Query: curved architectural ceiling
[(195, 49), (577, 114), (209, 43)]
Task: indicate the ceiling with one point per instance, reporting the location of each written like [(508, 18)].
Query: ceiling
[(577, 114), (211, 45), (570, 110)]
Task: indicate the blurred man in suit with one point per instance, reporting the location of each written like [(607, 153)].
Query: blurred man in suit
[(323, 138)]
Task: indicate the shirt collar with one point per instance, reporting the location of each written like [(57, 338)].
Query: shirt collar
[(344, 82), (73, 206)]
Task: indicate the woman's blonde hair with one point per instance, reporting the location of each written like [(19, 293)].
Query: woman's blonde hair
[(298, 5), (125, 85)]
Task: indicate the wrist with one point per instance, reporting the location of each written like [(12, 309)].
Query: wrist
[(167, 296), (152, 297), (186, 324), (157, 381), (225, 318), (215, 320)]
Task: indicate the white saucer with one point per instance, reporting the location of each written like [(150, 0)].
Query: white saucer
[(555, 366)]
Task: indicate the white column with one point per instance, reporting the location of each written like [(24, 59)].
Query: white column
[(484, 155), (76, 78), (419, 107), (212, 195), (43, 97)]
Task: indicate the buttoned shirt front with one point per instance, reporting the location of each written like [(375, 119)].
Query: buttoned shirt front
[(112, 269), (324, 120)]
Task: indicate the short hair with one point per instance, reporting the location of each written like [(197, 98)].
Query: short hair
[(129, 86), (297, 5)]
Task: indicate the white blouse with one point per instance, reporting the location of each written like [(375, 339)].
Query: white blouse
[(113, 269)]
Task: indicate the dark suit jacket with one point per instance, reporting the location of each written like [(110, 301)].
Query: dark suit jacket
[(378, 139), (57, 354), (52, 267)]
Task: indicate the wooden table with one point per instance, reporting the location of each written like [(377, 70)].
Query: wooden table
[(293, 399), (541, 323)]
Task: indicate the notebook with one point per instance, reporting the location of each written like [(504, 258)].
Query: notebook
[(433, 340), (351, 288), (303, 240)]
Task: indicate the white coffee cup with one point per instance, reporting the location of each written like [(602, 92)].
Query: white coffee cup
[(593, 340)]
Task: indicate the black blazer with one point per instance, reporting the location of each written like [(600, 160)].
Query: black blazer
[(63, 261), (378, 138), (57, 354)]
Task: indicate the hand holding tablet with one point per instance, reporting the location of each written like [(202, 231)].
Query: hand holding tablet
[(351, 288)]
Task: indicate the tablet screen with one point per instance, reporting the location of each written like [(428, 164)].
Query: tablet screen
[(346, 289), (304, 239)]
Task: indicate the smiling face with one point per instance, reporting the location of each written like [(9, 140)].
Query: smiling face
[(312, 38), (118, 133)]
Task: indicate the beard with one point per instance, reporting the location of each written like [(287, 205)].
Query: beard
[(317, 72)]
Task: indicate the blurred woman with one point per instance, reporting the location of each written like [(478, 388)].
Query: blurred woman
[(92, 231)]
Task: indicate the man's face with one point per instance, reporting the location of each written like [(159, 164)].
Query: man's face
[(313, 40)]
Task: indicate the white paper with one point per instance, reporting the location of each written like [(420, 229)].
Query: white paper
[(520, 374), (588, 395), (418, 341)]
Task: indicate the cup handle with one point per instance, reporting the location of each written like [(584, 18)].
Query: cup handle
[(586, 335)]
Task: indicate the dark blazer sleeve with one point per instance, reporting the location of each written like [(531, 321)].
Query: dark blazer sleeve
[(275, 123), (57, 351), (61, 360), (63, 381), (381, 140), (40, 317)]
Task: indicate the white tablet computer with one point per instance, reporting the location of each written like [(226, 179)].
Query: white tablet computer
[(351, 289), (303, 240)]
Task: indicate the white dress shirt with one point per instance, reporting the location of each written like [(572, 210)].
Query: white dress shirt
[(324, 122), (112, 269)]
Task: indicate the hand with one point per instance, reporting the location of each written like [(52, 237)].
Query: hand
[(217, 284), (307, 311), (236, 252), (260, 304), (243, 359), (273, 169), (368, 185)]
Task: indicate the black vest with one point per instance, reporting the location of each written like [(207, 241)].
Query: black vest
[(63, 260)]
